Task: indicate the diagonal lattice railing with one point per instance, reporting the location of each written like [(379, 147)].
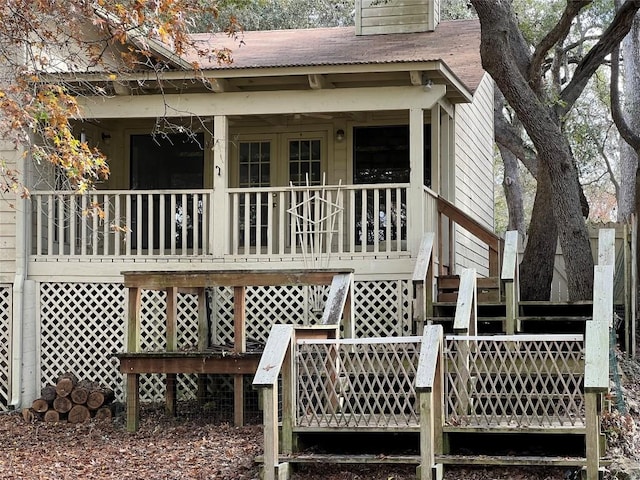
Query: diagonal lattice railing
[(514, 381), (362, 383)]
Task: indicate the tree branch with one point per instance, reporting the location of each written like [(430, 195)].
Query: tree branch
[(558, 33), (625, 130), (611, 37)]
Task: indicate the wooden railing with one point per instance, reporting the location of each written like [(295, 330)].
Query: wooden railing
[(305, 222), (422, 279), (127, 223), (316, 221), (342, 384), (509, 279), (482, 233), (466, 317)]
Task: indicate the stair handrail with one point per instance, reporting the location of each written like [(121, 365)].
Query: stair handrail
[(509, 278), (422, 279), (466, 317), (471, 225), (596, 363), (429, 385), (339, 305), (275, 359)]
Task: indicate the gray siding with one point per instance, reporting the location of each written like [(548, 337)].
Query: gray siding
[(474, 181), (394, 16)]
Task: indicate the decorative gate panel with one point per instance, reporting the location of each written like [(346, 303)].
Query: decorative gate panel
[(5, 341), (515, 381), (357, 383)]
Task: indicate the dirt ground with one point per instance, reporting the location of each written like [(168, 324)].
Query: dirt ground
[(193, 447)]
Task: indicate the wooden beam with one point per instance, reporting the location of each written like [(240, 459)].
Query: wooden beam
[(188, 362), (260, 103), (228, 278)]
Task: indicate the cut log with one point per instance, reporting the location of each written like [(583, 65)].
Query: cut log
[(28, 415), (79, 414), (40, 405), (65, 384), (62, 404), (49, 393), (51, 416), (79, 395), (99, 397), (104, 413)]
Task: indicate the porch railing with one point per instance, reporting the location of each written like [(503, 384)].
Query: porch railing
[(316, 221), (306, 222), (113, 223)]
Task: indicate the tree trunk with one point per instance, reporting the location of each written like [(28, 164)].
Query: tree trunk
[(536, 269), (541, 124), (512, 190), (627, 201), (79, 395)]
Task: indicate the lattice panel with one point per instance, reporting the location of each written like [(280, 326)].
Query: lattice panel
[(153, 330), (517, 381), (357, 383), (5, 340), (382, 308), (298, 305), (82, 324)]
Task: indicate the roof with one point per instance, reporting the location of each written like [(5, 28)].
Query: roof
[(455, 43)]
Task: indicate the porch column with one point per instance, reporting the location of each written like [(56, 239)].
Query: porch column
[(415, 215), (219, 211)]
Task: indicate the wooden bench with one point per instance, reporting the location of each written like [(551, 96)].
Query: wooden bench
[(237, 361)]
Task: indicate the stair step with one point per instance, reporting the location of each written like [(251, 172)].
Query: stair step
[(513, 460), (347, 459)]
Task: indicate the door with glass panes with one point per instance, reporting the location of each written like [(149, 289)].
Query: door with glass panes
[(302, 164)]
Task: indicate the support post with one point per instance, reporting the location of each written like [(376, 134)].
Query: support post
[(219, 237), (133, 345), (239, 346), (172, 346), (415, 225)]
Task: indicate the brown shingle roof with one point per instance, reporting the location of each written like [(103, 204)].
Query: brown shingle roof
[(456, 43)]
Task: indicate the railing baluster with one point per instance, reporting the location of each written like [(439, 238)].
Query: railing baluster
[(235, 218), (352, 221), (83, 226), (92, 211), (106, 207), (60, 226), (162, 224), (376, 220), (172, 222), (282, 221), (116, 224), (72, 224), (39, 215), (150, 225), (185, 218), (195, 221), (258, 208), (389, 220), (139, 224)]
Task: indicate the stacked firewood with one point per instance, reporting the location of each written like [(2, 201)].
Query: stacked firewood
[(71, 400)]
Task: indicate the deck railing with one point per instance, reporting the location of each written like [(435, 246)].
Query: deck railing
[(303, 222), (319, 220), (127, 223)]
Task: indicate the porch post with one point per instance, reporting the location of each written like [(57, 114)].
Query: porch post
[(415, 215), (219, 217)]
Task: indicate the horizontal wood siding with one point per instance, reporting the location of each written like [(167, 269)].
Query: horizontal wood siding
[(7, 224), (474, 173), (392, 16)]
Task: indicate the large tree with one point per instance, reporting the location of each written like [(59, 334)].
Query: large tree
[(519, 72)]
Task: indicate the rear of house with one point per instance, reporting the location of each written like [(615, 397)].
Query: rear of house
[(321, 148)]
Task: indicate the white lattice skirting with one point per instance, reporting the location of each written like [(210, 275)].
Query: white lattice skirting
[(5, 341), (83, 325)]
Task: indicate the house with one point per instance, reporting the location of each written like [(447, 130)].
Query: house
[(328, 147)]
